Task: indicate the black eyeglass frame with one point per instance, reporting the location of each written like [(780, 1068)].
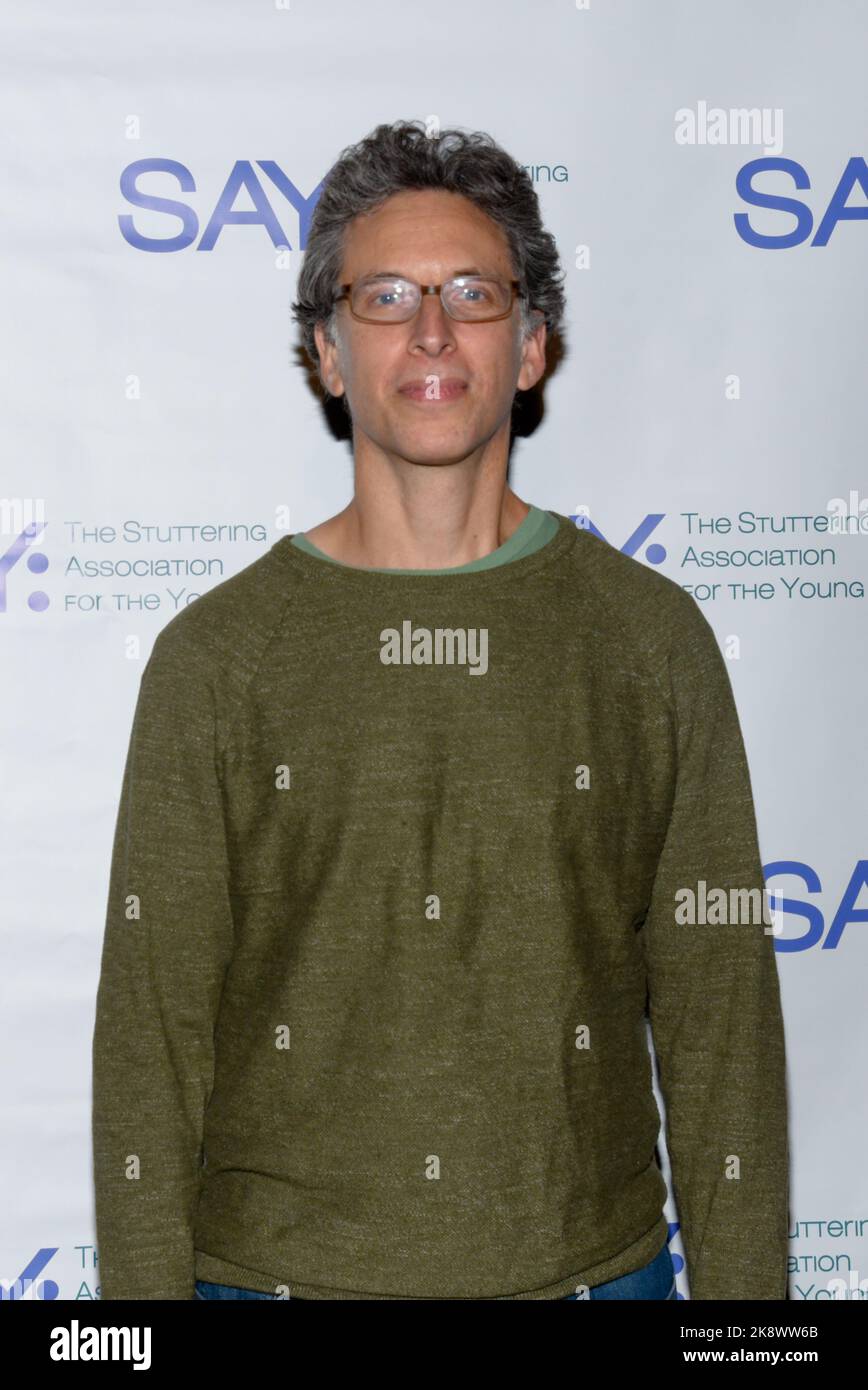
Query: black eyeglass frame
[(432, 289)]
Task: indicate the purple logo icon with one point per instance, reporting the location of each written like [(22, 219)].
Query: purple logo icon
[(46, 1289), (36, 562), (655, 554)]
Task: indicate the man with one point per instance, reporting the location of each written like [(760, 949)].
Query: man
[(409, 814)]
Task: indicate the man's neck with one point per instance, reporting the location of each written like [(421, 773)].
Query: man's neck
[(397, 531)]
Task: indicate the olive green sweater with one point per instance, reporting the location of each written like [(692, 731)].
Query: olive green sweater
[(399, 862)]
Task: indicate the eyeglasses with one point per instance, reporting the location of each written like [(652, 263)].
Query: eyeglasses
[(468, 298)]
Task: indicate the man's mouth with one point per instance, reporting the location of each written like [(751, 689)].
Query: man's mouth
[(433, 389)]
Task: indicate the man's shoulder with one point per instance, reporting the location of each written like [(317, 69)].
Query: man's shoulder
[(646, 606), (229, 624)]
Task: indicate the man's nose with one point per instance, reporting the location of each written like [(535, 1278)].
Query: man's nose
[(432, 323)]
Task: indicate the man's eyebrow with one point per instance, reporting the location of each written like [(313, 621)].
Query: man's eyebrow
[(402, 275)]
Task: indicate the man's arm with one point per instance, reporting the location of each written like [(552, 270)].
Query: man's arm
[(168, 941), (715, 1001)]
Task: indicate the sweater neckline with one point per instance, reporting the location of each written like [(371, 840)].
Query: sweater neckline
[(525, 537), (350, 577)]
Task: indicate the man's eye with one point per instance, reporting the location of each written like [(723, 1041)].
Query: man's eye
[(381, 296)]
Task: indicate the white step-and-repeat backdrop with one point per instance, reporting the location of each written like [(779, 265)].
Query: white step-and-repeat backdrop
[(702, 166)]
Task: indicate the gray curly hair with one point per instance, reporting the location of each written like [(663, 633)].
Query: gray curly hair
[(405, 156)]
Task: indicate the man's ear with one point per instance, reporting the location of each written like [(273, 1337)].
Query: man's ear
[(328, 362), (533, 354)]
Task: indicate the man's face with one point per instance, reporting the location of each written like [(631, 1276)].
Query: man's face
[(428, 235)]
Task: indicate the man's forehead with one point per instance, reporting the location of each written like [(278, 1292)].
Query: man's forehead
[(406, 234)]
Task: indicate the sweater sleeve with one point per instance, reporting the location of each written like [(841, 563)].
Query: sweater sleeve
[(167, 944), (714, 1000)]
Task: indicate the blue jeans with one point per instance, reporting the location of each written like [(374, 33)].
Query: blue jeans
[(654, 1280)]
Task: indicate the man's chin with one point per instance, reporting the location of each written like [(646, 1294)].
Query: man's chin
[(433, 456), (431, 444)]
